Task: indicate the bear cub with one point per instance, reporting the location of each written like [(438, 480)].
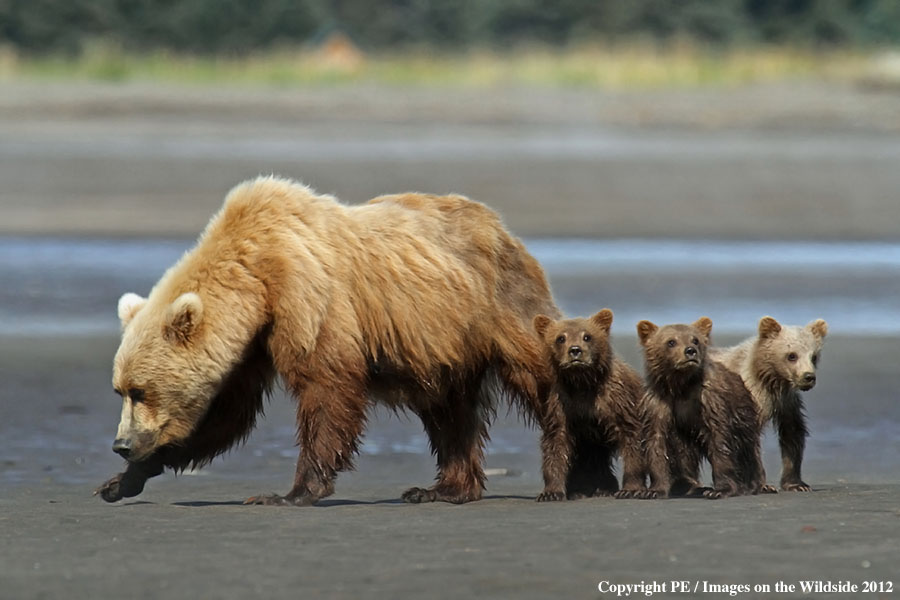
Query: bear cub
[(776, 365), (698, 409), (599, 396)]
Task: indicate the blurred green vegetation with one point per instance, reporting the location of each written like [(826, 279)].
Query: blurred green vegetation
[(593, 43), (241, 27)]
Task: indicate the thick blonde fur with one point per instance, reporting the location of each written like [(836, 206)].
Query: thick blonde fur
[(775, 365), (413, 299)]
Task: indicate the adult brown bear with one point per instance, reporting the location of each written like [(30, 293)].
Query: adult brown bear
[(422, 302)]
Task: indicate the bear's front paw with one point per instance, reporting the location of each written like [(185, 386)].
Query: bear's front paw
[(111, 491), (123, 485), (276, 500), (712, 494), (551, 496), (796, 486), (417, 495), (767, 489)]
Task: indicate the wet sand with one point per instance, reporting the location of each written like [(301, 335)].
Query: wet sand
[(189, 537), (110, 161)]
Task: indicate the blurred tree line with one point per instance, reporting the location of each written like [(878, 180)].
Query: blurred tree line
[(240, 26)]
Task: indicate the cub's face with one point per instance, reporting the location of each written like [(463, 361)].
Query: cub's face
[(790, 353), (675, 348), (160, 373), (576, 343)]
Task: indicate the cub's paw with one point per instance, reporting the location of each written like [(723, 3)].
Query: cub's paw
[(768, 489), (276, 500), (417, 495), (798, 486), (625, 494), (712, 494), (551, 496), (651, 494)]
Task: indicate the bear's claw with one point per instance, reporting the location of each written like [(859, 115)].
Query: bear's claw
[(551, 496), (123, 485), (417, 495), (798, 486)]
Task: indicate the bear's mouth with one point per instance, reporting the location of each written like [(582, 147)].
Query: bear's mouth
[(688, 363), (806, 386)]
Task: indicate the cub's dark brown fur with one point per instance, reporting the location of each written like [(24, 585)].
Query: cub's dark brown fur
[(599, 395), (698, 409)]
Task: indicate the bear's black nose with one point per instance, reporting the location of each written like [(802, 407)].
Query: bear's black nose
[(575, 351), (690, 352), (809, 378), (122, 447)]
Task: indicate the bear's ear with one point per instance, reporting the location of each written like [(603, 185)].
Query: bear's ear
[(704, 324), (819, 328), (541, 324), (129, 305), (182, 318), (768, 328), (603, 319), (645, 329)]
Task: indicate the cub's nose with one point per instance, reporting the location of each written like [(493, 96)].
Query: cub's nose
[(690, 352), (809, 378), (122, 447), (575, 351)]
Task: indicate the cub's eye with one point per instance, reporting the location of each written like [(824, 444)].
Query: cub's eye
[(695, 341), (792, 357), (136, 395), (561, 339), (670, 343), (587, 337), (118, 392), (815, 359)]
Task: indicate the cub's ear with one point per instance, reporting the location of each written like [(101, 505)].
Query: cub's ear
[(704, 324), (603, 319), (819, 328), (129, 305), (541, 324), (769, 327), (645, 329), (182, 318)]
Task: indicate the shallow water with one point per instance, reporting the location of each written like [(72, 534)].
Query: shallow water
[(68, 286), (58, 413)]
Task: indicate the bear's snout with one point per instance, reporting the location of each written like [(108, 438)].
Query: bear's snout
[(575, 351), (122, 447), (690, 352), (807, 381)]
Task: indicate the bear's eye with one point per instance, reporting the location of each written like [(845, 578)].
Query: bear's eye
[(670, 343), (792, 357), (136, 395), (561, 339), (118, 392), (815, 360), (587, 337), (695, 341)]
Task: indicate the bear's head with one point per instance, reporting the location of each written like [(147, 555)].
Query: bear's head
[(674, 353), (164, 370), (577, 348), (789, 355)]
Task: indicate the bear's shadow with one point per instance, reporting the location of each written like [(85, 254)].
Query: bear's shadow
[(332, 502)]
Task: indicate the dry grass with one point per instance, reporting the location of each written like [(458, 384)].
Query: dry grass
[(630, 67)]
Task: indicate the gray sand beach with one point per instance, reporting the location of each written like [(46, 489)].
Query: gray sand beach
[(630, 203)]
